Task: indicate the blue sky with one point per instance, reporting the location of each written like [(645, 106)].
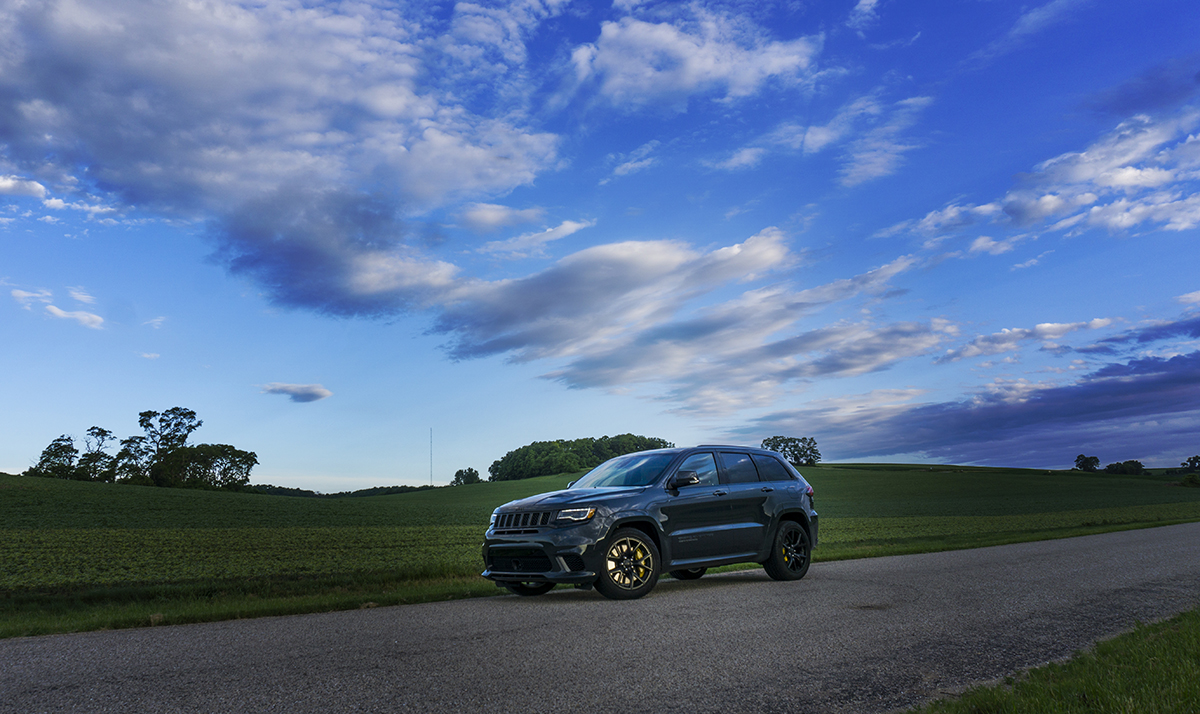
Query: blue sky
[(950, 231)]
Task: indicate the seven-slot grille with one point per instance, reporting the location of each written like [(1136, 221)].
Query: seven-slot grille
[(528, 519)]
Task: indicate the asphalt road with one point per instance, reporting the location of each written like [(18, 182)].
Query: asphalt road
[(853, 636)]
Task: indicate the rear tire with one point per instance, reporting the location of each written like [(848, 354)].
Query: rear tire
[(630, 566), (529, 589), (689, 574), (791, 553)]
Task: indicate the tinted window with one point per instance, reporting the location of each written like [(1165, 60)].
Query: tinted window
[(739, 468), (633, 470), (770, 469), (705, 467)]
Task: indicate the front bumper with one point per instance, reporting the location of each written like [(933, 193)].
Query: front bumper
[(557, 555)]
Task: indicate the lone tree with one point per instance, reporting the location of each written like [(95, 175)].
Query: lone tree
[(1192, 463), (1128, 468), (800, 451), (462, 477), (1087, 463)]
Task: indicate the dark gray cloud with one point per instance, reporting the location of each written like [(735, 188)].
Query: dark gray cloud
[(335, 252), (1162, 87), (298, 392), (1146, 408), (1188, 327)]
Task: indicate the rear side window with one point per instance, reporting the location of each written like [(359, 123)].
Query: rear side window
[(769, 468), (739, 468)]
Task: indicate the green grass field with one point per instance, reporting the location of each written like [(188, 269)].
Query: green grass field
[(1155, 669), (77, 556)]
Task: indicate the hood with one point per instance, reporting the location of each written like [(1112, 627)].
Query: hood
[(571, 497)]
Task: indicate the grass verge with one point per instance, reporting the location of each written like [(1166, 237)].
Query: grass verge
[(1153, 669)]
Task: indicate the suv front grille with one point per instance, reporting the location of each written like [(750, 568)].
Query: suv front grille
[(527, 521), (518, 561)]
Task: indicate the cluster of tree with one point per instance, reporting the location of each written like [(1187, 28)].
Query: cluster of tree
[(543, 458), (272, 490), (800, 451), (1128, 468), (462, 477), (160, 457)]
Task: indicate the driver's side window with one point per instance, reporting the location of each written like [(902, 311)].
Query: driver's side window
[(705, 467)]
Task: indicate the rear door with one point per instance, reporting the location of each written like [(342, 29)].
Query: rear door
[(749, 518)]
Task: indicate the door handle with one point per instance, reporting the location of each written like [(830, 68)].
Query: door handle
[(767, 489), (720, 493)]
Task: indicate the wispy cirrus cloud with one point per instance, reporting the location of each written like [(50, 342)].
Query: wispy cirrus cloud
[(534, 242), (1011, 339), (26, 298), (301, 393), (1032, 21), (86, 319)]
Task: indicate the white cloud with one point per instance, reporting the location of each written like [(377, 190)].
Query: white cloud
[(637, 62), (1032, 261), (1029, 23), (156, 323), (741, 159), (813, 138), (86, 319), (1190, 298), (487, 217), (984, 244), (534, 241), (267, 96), (634, 161), (25, 298), (81, 295), (150, 355), (15, 186), (1010, 340), (863, 15), (49, 219), (879, 152), (298, 392)]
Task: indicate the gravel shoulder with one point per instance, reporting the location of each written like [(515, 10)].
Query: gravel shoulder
[(871, 635)]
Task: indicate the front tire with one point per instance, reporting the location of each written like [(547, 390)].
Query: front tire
[(791, 553), (529, 589), (630, 566)]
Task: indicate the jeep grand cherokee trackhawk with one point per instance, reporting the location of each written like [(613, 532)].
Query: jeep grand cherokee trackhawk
[(676, 510)]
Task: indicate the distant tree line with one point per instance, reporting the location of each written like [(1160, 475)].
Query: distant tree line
[(271, 490), (543, 458), (159, 457), (1135, 468)]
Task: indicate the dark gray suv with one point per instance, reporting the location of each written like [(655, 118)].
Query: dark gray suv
[(669, 510)]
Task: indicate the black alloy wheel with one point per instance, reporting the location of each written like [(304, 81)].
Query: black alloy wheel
[(791, 553), (630, 567)]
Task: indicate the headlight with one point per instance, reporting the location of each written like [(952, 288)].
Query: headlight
[(575, 514), (493, 521)]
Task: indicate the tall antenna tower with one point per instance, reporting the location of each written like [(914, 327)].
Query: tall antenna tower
[(431, 456)]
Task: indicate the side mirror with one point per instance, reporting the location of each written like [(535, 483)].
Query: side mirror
[(683, 478)]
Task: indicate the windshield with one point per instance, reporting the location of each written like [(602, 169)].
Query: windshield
[(630, 470)]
